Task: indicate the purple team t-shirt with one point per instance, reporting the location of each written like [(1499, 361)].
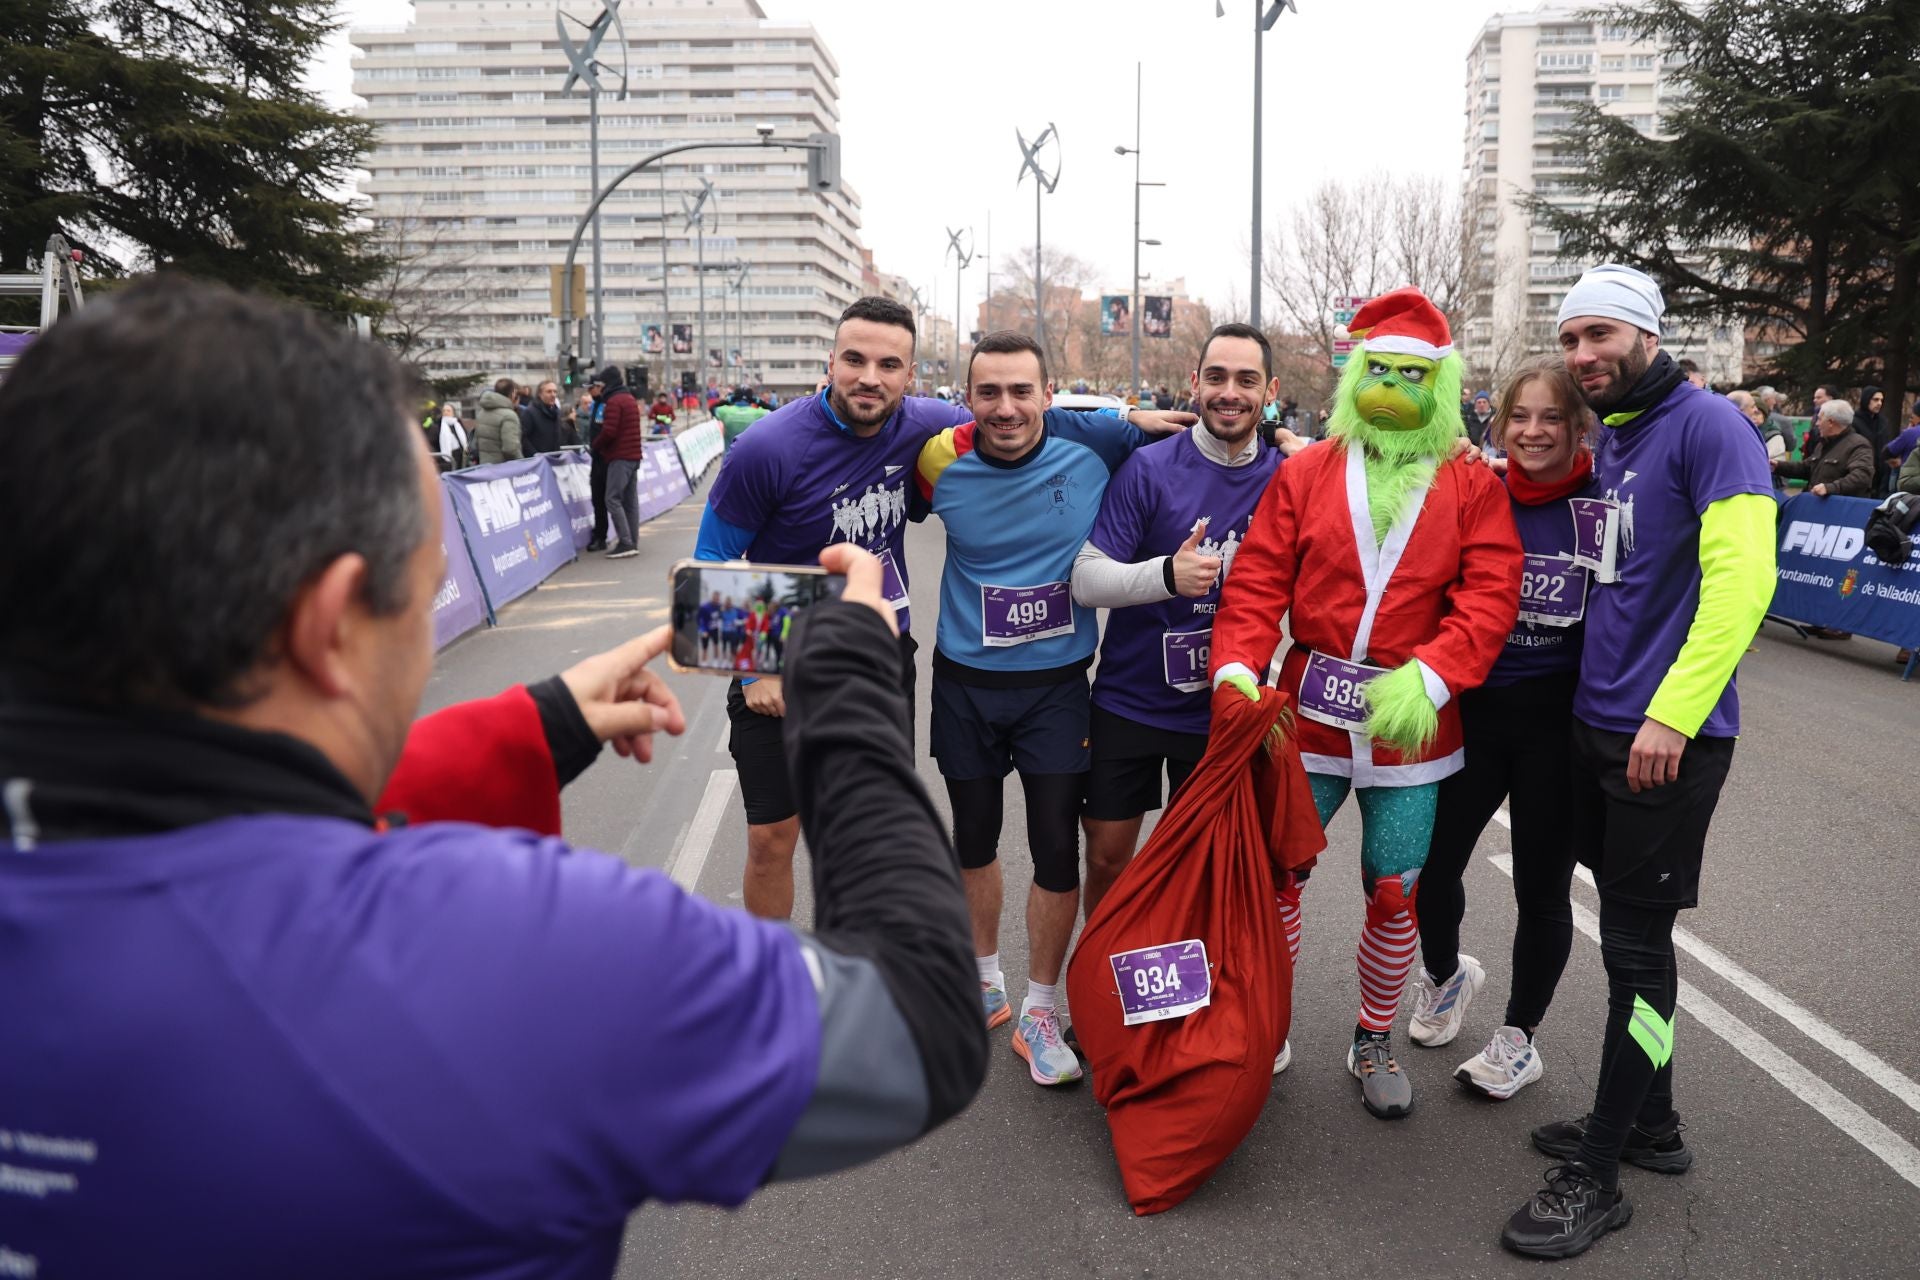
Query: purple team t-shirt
[(1153, 660), (1663, 469), (292, 1047), (805, 482), (1552, 589)]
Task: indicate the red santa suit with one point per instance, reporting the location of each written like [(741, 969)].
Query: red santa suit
[(1442, 589)]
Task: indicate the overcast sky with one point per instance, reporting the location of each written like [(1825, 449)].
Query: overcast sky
[(931, 93)]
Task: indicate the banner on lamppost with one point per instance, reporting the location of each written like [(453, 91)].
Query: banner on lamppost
[(656, 341), (1156, 316), (1116, 315), (683, 339)]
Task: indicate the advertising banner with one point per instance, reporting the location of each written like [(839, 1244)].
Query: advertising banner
[(458, 607), (662, 482), (573, 472), (1116, 315), (515, 524), (655, 343), (683, 339), (1828, 578), (1156, 316), (699, 448)]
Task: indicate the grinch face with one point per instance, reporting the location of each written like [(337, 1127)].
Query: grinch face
[(1396, 394)]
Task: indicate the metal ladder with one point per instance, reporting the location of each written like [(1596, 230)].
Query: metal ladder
[(57, 279)]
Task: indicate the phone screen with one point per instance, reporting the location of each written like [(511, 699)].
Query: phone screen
[(736, 619)]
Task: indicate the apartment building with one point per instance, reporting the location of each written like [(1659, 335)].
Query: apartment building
[(482, 170), (1525, 73)]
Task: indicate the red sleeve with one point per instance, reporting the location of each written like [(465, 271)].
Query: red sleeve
[(485, 761), (1484, 601), (1259, 590)]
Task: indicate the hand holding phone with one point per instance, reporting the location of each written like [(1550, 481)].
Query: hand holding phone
[(866, 579), (735, 619)]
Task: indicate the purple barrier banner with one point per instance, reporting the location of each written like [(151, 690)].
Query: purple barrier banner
[(662, 481), (515, 525), (458, 607), (573, 471)]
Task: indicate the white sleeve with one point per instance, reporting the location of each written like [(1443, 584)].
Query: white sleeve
[(1101, 582)]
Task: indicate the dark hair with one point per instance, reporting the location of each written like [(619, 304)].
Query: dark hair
[(504, 386), (1005, 342), (1688, 366), (879, 311), (153, 562), (1833, 392), (1234, 329), (1551, 370)]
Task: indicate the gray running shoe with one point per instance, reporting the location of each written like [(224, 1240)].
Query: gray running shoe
[(1384, 1087)]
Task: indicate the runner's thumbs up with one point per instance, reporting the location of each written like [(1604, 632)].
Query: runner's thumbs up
[(1194, 574)]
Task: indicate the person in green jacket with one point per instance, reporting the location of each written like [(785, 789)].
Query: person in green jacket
[(738, 414), (496, 432)]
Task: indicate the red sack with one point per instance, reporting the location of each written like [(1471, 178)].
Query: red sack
[(1181, 1092)]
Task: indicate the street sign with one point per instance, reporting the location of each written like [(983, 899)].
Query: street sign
[(1343, 348), (1347, 302), (579, 290)]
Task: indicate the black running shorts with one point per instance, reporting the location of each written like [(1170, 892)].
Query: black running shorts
[(1128, 758), (1644, 849)]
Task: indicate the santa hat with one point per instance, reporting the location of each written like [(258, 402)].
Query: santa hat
[(1403, 323)]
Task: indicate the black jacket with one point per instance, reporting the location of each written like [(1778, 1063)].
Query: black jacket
[(540, 428)]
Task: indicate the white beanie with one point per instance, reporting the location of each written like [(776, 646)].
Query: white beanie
[(1619, 293)]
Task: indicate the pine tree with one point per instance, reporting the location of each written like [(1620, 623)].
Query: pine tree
[(1785, 190), (176, 133)]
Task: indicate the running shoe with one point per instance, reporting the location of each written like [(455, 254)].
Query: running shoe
[(1508, 1064), (1665, 1152), (1384, 1087), (1565, 1217), (1283, 1059), (1038, 1040), (623, 550), (1438, 1007), (995, 1001)]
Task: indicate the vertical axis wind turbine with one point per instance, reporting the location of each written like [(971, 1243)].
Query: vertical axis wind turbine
[(585, 65), (1042, 185)]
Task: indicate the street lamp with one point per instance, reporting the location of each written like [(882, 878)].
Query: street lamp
[(1134, 151), (1264, 16), (586, 66)]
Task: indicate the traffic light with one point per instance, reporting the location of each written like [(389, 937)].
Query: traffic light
[(573, 370), (823, 161), (636, 375)]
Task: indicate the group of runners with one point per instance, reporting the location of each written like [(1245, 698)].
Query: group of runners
[(743, 637), (1457, 641)]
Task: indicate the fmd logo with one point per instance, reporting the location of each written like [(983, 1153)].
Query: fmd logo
[(1828, 541)]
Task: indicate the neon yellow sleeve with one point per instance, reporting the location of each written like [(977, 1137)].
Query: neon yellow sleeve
[(1736, 586)]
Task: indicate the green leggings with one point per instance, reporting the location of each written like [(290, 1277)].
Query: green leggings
[(1395, 824)]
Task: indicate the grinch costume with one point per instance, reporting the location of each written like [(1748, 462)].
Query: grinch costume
[(1397, 569)]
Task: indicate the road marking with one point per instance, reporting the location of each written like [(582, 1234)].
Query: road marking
[(1841, 1111), (1868, 1063), (726, 731), (692, 857)]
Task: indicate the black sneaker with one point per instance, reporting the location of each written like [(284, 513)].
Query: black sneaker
[(598, 544), (622, 550), (1660, 1152), (1565, 1217)]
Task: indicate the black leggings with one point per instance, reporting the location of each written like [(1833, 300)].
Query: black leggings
[(1636, 1059), (1518, 745), (1053, 824)]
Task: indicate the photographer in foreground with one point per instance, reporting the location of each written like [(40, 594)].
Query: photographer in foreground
[(252, 1030)]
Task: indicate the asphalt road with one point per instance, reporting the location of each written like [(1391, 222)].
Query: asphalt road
[(1794, 1063)]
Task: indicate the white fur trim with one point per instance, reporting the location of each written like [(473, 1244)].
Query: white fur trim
[(1396, 344)]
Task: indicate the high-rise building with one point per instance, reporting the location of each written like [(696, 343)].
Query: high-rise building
[(482, 171), (1525, 73)]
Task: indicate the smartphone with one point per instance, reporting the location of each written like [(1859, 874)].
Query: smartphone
[(732, 618)]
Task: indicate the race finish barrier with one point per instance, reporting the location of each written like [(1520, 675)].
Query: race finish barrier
[(507, 526), (1828, 578)]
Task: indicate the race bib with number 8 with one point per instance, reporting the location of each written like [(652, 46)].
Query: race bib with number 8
[(1330, 692)]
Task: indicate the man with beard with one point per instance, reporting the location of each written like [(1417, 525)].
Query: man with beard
[(774, 502), (1161, 548), (1684, 548)]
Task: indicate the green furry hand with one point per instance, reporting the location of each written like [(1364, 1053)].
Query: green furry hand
[(1399, 712), (1245, 685)]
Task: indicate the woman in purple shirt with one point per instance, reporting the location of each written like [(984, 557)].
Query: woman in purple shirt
[(1517, 730)]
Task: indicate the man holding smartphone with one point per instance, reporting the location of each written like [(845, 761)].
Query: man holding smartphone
[(830, 468)]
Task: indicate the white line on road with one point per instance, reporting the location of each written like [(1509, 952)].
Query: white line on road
[(1841, 1111), (1869, 1064), (692, 858), (726, 729)]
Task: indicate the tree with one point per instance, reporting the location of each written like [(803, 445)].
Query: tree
[(1064, 279), (1363, 239), (427, 283), (176, 133), (1784, 188)]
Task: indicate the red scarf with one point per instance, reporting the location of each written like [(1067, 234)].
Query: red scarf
[(1531, 493)]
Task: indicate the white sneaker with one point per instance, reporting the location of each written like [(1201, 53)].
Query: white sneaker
[(1037, 1038), (1283, 1059), (1508, 1064), (1438, 1008)]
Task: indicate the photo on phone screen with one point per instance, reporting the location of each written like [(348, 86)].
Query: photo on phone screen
[(737, 619)]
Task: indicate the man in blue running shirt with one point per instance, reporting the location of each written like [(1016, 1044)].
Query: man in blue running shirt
[(833, 467), (1018, 492)]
